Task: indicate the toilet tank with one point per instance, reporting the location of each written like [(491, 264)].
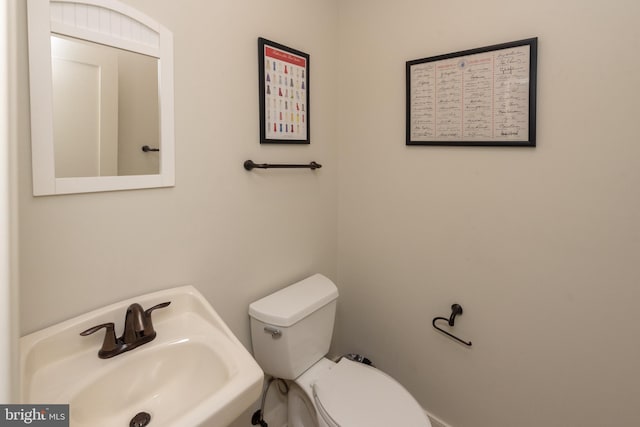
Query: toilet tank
[(291, 329)]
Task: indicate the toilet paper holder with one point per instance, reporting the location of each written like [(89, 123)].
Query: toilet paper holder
[(456, 309)]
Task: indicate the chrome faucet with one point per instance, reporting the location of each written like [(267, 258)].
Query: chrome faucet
[(138, 330)]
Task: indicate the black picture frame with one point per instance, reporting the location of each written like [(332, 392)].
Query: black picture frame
[(284, 94), (477, 97)]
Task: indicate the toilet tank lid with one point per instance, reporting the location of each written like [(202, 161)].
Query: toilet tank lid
[(295, 302)]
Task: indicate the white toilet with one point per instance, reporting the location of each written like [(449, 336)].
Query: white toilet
[(291, 332)]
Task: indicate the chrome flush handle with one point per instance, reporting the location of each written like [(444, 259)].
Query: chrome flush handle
[(275, 332)]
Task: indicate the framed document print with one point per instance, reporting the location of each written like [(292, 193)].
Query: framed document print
[(477, 97), (284, 94)]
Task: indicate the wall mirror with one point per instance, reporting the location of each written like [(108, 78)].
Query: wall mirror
[(101, 83)]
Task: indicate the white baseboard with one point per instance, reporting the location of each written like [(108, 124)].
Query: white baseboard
[(436, 422)]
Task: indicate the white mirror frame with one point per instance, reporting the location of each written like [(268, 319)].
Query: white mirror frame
[(111, 23)]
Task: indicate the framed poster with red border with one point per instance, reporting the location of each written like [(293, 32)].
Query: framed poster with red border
[(284, 94)]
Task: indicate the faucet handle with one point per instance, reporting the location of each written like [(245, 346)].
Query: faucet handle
[(155, 307), (148, 324), (110, 345)]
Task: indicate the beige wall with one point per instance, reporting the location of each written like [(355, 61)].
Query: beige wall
[(540, 246), (235, 235)]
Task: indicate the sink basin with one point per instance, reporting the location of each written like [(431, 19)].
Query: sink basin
[(195, 372)]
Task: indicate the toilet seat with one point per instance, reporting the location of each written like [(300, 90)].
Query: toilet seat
[(353, 394)]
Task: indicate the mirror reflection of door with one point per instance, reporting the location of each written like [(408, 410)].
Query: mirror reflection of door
[(138, 114), (105, 108), (85, 109)]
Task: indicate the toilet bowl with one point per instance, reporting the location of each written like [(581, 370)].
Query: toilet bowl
[(291, 332)]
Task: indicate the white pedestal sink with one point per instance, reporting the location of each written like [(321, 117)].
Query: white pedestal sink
[(194, 373)]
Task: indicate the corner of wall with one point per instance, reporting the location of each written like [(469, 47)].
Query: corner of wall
[(9, 357)]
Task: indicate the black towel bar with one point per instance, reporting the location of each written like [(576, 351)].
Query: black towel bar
[(249, 165)]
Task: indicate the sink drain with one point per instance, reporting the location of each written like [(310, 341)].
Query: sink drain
[(140, 420)]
